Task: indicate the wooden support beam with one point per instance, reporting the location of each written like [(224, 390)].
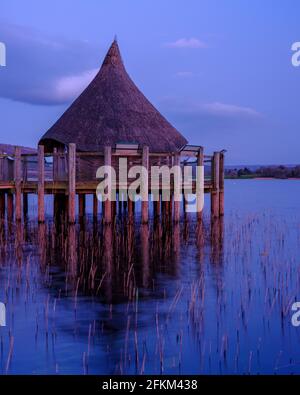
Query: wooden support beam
[(2, 205), (18, 180), (41, 184), (72, 183), (81, 198), (145, 186), (130, 207), (200, 189), (156, 207), (95, 206), (215, 185), (25, 205), (221, 184), (177, 188), (10, 207), (107, 203)]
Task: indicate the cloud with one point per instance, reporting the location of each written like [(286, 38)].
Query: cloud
[(42, 69), (186, 43), (228, 110), (67, 88), (213, 117), (184, 74)]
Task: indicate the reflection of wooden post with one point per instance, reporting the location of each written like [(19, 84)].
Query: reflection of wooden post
[(18, 179), (107, 203), (41, 184), (215, 185), (221, 185), (177, 188), (10, 207), (199, 189), (72, 182), (145, 205)]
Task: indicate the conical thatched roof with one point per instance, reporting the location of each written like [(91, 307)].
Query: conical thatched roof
[(113, 110)]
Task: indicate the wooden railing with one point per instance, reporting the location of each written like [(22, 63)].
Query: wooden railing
[(87, 163)]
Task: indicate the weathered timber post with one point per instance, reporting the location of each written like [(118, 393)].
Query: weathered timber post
[(145, 186), (177, 188), (95, 206), (18, 179), (107, 203), (221, 184), (215, 185), (72, 182), (41, 184), (130, 208), (10, 207), (2, 205), (25, 205), (81, 199), (55, 164), (200, 190)]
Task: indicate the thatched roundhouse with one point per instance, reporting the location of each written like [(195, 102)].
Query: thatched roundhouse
[(112, 110)]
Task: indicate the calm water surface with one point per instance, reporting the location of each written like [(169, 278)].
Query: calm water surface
[(214, 299)]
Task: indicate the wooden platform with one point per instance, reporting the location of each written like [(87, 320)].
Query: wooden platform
[(70, 173)]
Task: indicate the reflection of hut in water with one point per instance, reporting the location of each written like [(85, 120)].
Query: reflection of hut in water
[(111, 119)]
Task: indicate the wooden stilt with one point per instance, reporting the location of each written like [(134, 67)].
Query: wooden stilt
[(221, 184), (130, 209), (18, 180), (10, 207), (2, 205), (95, 206), (200, 189), (177, 188), (81, 198), (25, 205), (215, 185), (156, 207), (145, 187), (107, 203), (72, 182), (41, 184), (120, 205)]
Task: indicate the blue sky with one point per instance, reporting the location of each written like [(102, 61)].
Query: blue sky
[(219, 70)]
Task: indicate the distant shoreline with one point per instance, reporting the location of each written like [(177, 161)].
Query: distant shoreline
[(263, 178)]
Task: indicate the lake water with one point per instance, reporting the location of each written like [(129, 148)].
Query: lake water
[(206, 300)]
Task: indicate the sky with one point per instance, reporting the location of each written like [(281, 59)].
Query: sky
[(219, 70)]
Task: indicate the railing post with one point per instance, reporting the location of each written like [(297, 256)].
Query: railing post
[(145, 186), (41, 184), (215, 185), (72, 182), (200, 188), (17, 177), (221, 184), (107, 203)]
